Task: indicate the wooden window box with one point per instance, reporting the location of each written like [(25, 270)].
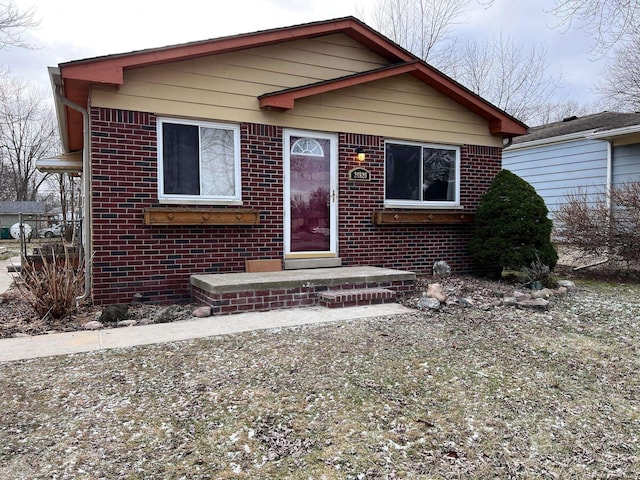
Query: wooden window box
[(201, 216), (390, 217)]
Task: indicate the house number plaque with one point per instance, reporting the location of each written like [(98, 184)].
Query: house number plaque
[(359, 174)]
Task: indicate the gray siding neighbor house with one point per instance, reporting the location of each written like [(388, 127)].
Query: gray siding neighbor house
[(10, 212), (589, 154)]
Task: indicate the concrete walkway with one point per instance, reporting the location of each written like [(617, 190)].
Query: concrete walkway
[(12, 349)]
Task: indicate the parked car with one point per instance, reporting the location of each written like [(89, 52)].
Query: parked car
[(52, 231)]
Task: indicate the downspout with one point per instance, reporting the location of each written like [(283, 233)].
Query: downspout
[(86, 203)]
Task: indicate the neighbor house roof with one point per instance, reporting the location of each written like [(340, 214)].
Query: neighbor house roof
[(76, 77), (29, 208), (600, 124)]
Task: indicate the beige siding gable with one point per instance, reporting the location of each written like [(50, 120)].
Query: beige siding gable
[(225, 87)]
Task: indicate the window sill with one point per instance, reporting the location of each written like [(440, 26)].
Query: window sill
[(201, 216), (390, 217)]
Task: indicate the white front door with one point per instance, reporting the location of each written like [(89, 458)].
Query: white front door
[(310, 194)]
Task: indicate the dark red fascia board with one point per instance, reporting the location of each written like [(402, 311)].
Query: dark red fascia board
[(109, 69), (285, 99)]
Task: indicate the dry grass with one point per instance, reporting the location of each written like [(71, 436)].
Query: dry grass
[(466, 393)]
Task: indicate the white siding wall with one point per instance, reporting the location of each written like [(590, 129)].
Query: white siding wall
[(560, 169)]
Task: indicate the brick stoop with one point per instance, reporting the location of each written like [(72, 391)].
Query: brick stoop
[(355, 297), (261, 291)]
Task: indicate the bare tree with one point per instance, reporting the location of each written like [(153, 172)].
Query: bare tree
[(556, 111), (608, 21), (13, 24), (620, 84), (512, 78), (418, 25), (27, 134)]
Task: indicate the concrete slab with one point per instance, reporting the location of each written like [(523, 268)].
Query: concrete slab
[(238, 282), (13, 349)]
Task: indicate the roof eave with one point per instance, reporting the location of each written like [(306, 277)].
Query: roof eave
[(77, 76), (614, 133)]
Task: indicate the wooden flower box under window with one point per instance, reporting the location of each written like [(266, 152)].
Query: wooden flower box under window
[(201, 216), (391, 217)]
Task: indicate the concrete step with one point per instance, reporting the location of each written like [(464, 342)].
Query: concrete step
[(261, 291), (355, 297)]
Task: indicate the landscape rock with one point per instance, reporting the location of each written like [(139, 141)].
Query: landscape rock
[(544, 293), (136, 299), (202, 312), (428, 303), (534, 304), (567, 284), (20, 335), (441, 268), (168, 314), (518, 295), (114, 313), (562, 291), (436, 291), (465, 302), (509, 301), (92, 325), (127, 323)]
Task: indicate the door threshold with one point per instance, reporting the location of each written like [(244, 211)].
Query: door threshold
[(301, 263)]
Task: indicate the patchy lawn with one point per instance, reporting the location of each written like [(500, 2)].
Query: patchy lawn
[(465, 393)]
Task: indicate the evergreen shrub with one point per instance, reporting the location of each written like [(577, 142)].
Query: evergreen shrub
[(512, 230)]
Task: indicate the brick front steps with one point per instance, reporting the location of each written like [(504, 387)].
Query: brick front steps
[(332, 287), (355, 297)]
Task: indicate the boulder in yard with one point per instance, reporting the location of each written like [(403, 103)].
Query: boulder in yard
[(202, 312), (436, 291)]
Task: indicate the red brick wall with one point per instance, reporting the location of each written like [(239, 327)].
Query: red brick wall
[(407, 247), (156, 261)]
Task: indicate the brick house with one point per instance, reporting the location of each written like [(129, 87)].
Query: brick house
[(317, 145)]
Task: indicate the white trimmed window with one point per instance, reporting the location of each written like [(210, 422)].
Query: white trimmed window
[(421, 175), (198, 162)]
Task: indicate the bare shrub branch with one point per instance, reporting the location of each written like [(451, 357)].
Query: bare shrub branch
[(52, 286), (597, 227)]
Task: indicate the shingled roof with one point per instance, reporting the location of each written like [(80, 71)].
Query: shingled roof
[(596, 123), (28, 208)]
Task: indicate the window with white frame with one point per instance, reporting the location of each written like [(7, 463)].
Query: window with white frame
[(198, 162), (421, 175)]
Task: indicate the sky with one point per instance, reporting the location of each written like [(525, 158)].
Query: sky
[(76, 29)]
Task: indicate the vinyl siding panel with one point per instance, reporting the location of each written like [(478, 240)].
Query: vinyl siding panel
[(558, 170), (225, 87), (626, 164)]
